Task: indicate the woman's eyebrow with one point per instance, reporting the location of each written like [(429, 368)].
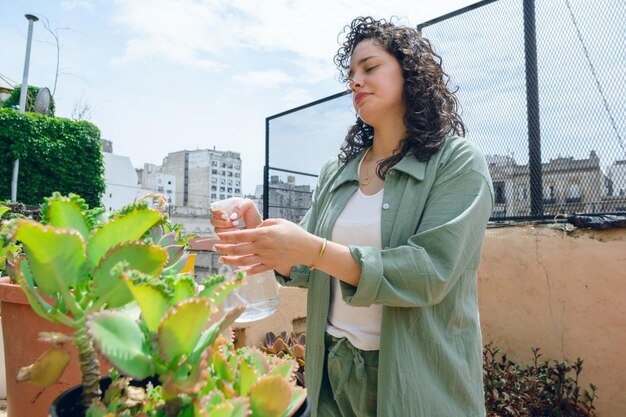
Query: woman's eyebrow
[(360, 62)]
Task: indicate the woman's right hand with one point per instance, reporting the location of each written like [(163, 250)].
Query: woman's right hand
[(246, 210)]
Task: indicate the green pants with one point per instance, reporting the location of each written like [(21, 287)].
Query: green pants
[(350, 380)]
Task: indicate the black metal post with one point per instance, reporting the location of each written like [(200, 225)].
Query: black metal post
[(532, 109), (266, 172)]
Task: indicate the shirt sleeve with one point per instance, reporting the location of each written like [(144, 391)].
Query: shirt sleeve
[(447, 242)]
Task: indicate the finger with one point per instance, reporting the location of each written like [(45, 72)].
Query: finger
[(245, 235), (219, 214), (225, 229), (247, 210), (244, 260), (255, 269), (235, 249)]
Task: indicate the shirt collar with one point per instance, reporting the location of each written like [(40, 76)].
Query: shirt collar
[(408, 165)]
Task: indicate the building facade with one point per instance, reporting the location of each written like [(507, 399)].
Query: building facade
[(287, 200), (152, 180), (203, 176), (569, 186)]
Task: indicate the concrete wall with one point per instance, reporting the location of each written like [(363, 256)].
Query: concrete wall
[(538, 287)]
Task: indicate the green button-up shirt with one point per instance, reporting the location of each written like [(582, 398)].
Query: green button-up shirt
[(433, 222)]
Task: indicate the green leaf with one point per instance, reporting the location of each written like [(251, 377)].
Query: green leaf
[(247, 377), (151, 300), (285, 368), (298, 395), (225, 289), (211, 284), (129, 226), (183, 289), (121, 341), (66, 213), (181, 329), (3, 210), (269, 397), (235, 407), (148, 259), (209, 335), (174, 254), (56, 256)]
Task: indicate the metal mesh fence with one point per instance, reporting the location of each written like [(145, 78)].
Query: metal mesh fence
[(541, 85)]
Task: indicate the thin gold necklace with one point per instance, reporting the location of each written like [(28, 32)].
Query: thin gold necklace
[(366, 178)]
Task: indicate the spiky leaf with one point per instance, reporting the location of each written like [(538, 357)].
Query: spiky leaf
[(211, 284), (247, 377), (66, 213), (190, 265), (178, 266), (269, 397), (181, 329), (284, 368), (47, 369), (184, 287), (128, 226), (56, 256), (120, 340), (298, 395), (151, 299), (148, 259), (209, 335)]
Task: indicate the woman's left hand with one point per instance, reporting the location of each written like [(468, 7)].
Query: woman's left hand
[(276, 244)]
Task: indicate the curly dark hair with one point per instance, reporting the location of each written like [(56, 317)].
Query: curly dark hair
[(431, 107)]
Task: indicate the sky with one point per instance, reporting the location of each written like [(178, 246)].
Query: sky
[(166, 75)]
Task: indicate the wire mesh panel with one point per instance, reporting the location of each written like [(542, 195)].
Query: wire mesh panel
[(541, 86)]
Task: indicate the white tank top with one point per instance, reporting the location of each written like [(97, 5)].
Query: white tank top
[(357, 224)]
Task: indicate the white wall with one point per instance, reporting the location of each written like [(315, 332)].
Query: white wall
[(120, 180)]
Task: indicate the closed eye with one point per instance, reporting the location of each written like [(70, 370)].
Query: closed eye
[(370, 69)]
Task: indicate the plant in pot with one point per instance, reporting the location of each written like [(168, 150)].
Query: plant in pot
[(185, 343), (65, 272), (80, 268)]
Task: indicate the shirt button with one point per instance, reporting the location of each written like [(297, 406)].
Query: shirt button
[(385, 206)]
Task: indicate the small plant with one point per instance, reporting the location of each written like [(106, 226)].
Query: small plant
[(8, 250), (66, 272), (179, 339), (542, 389), (290, 346)]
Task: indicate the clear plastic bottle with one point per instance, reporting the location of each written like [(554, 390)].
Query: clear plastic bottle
[(259, 292)]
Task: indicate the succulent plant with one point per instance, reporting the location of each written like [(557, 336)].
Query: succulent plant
[(67, 272), (180, 339), (292, 346)]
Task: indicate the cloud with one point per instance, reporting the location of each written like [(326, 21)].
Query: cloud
[(264, 79), (203, 33), (77, 4)]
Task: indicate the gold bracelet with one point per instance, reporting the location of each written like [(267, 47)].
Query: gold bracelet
[(322, 249)]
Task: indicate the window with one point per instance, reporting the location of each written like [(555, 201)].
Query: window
[(222, 181), (169, 183), (237, 166), (159, 181), (230, 190), (230, 182), (223, 165), (213, 188), (223, 173), (230, 166), (522, 194), (213, 163), (213, 196), (498, 190), (230, 173), (237, 183), (237, 175), (213, 180), (222, 189), (548, 194), (214, 171), (574, 194), (222, 197), (237, 191)]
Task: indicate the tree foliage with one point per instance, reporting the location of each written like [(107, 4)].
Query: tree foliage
[(55, 155), (14, 99)]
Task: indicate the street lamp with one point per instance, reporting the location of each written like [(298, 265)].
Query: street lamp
[(24, 90)]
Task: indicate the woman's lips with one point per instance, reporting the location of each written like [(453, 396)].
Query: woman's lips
[(360, 97)]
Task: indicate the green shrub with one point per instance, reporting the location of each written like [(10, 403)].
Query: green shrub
[(542, 389), (14, 99), (55, 155)]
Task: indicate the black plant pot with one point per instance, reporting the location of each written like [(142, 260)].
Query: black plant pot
[(69, 404)]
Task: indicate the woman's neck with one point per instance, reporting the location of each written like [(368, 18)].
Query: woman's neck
[(386, 141)]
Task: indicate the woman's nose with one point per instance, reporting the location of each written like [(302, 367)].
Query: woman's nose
[(355, 83)]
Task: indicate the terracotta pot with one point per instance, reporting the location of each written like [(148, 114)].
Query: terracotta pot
[(21, 327)]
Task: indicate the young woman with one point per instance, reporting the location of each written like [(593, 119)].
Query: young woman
[(390, 247)]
